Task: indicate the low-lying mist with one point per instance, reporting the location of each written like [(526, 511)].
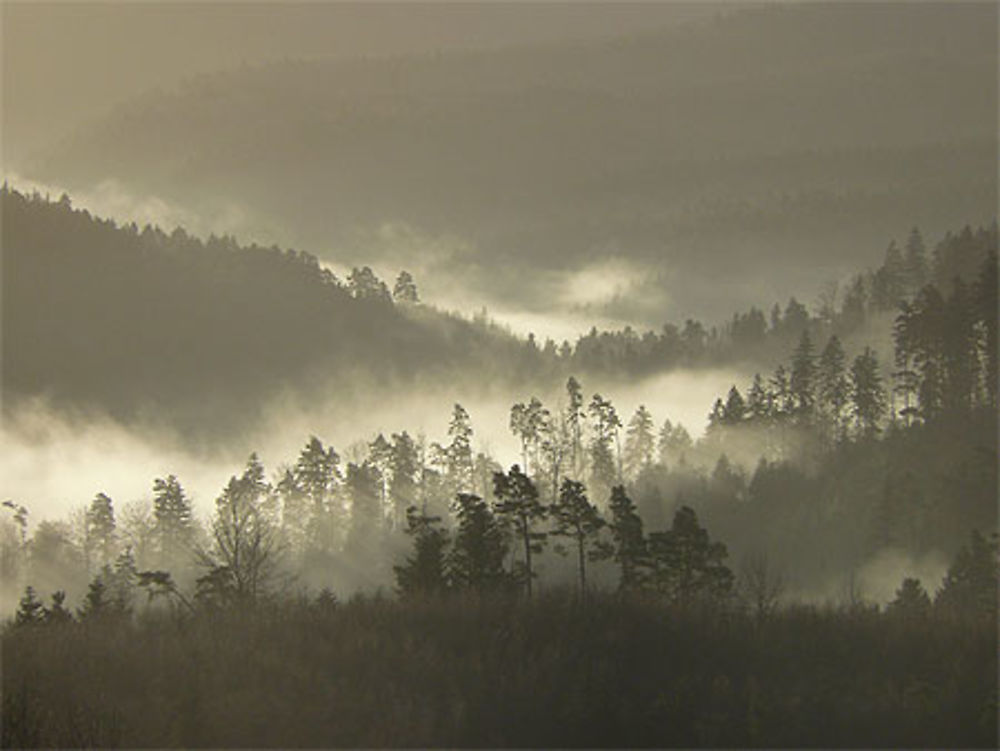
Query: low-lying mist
[(53, 461)]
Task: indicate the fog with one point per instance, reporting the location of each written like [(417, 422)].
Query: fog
[(53, 462), (673, 172)]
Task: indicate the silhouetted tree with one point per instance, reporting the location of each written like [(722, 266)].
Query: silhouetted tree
[(911, 600), (605, 431), (685, 563), (577, 518), (970, 586), (628, 542), (57, 612), (404, 471), (405, 289), (459, 451), (362, 485), (173, 528), (868, 403), (423, 573), (100, 522), (574, 417), (802, 379), (832, 387), (365, 285), (30, 610), (639, 442), (475, 561), (518, 505), (242, 556)]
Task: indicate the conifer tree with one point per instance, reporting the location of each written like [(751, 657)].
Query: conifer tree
[(574, 419), (30, 610), (404, 471), (424, 572), (475, 561), (868, 404), (100, 521), (832, 385), (639, 442), (459, 451), (735, 410), (405, 289), (628, 542), (518, 505), (802, 379), (577, 518), (173, 528), (686, 564)]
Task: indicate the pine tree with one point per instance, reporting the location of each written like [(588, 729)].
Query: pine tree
[(868, 403), (362, 484), (173, 527), (639, 442), (802, 380), (986, 305), (100, 520), (58, 613), (424, 572), (404, 471), (832, 385), (459, 451), (758, 406), (970, 586), (735, 410), (906, 380), (578, 519), (915, 270), (380, 455), (405, 289), (518, 505), (30, 610), (911, 600), (574, 418), (363, 284), (317, 477), (628, 542), (96, 603), (780, 394), (475, 561), (686, 564)]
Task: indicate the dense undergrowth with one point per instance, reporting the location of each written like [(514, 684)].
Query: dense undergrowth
[(502, 672)]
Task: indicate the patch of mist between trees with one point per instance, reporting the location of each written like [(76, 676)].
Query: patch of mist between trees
[(112, 199), (876, 580), (54, 461), (455, 274)]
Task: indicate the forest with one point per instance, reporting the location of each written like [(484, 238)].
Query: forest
[(190, 330), (623, 584)]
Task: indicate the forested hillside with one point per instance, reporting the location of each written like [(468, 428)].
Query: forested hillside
[(199, 335), (723, 162), (173, 330), (822, 561)]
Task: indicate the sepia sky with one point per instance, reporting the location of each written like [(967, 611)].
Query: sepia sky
[(67, 62)]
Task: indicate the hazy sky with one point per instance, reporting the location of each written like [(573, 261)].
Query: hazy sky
[(65, 62)]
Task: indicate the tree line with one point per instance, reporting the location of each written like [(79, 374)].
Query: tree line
[(202, 299)]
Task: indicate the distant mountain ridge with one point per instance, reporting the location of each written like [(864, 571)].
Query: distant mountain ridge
[(705, 154)]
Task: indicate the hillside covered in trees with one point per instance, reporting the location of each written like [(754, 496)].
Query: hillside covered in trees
[(623, 583), (201, 334)]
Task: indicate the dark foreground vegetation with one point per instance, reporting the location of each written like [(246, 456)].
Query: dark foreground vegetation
[(500, 672)]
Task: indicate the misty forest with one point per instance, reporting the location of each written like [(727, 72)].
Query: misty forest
[(500, 376)]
